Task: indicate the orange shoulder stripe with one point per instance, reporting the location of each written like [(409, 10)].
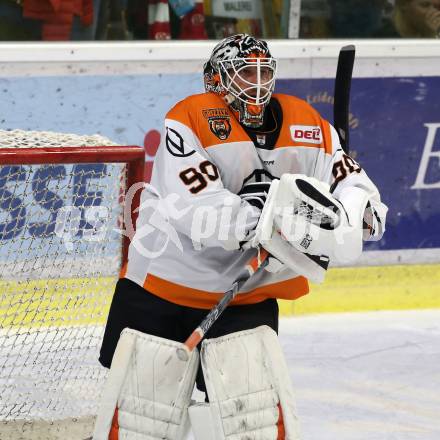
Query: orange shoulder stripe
[(212, 121)]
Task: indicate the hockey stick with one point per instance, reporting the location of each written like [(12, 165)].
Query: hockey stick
[(255, 263), (341, 106)]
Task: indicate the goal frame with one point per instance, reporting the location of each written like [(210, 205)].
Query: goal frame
[(132, 155)]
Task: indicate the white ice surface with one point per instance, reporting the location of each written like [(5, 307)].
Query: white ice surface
[(366, 376)]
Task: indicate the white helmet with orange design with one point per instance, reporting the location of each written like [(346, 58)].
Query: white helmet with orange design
[(241, 70)]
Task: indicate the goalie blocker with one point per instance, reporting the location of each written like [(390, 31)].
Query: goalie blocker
[(150, 386)]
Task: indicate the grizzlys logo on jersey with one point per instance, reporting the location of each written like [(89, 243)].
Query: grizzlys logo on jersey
[(215, 113), (310, 134), (221, 127), (219, 122)]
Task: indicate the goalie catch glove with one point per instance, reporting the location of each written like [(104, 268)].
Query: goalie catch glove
[(314, 221), (305, 226)]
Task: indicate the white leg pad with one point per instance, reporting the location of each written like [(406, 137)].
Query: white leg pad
[(247, 378), (203, 425), (150, 386)]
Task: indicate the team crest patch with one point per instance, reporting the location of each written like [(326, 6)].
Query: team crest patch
[(219, 121), (221, 127)]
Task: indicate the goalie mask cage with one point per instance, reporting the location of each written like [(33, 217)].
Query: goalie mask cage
[(62, 202)]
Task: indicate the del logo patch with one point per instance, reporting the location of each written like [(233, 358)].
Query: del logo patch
[(219, 122), (310, 134)]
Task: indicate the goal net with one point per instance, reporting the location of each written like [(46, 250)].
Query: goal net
[(61, 249)]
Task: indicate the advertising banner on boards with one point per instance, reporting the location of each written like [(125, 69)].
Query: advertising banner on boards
[(395, 130)]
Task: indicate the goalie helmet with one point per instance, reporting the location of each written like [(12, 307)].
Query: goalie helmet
[(241, 70)]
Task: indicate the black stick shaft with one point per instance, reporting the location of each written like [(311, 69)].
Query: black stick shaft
[(341, 107)]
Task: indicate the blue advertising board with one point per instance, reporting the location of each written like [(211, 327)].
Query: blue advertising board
[(395, 129)]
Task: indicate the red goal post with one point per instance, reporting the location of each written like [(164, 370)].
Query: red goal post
[(61, 249)]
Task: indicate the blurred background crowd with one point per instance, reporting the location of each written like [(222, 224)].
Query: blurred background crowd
[(62, 20)]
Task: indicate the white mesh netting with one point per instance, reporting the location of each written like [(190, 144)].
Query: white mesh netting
[(60, 254), (40, 139)]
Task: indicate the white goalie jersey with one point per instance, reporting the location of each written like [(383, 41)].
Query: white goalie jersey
[(191, 221)]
